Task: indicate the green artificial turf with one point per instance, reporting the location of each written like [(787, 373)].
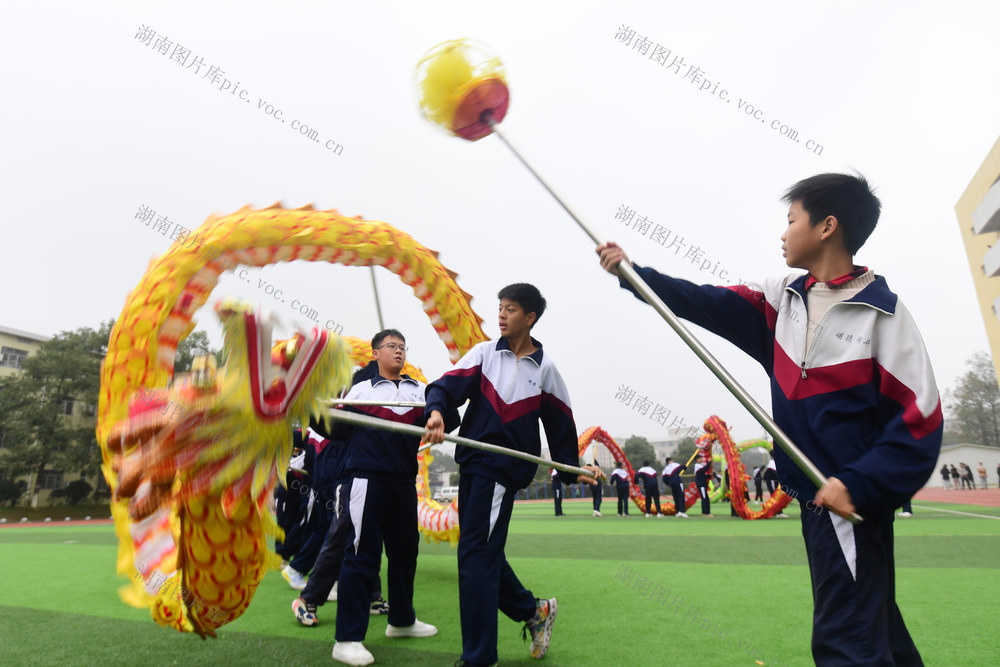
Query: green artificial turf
[(700, 591)]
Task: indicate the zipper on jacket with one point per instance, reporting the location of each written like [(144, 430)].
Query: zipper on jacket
[(510, 384)]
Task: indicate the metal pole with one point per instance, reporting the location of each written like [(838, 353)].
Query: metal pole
[(388, 404), (367, 421), (633, 278), (378, 305)]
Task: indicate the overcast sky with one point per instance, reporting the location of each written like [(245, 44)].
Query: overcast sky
[(96, 124)]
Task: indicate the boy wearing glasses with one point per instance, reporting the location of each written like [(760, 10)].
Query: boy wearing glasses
[(381, 506), (511, 385)]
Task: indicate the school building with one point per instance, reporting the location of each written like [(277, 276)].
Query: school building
[(978, 212)]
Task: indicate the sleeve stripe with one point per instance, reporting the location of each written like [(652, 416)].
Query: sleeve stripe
[(920, 426)]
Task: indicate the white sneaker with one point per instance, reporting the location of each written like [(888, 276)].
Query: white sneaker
[(905, 514), (596, 513), (418, 629), (648, 515), (682, 515), (352, 653), (294, 578), (659, 516), (332, 597)]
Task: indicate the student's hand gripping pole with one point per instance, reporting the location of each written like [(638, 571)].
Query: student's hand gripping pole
[(629, 274), (366, 421)]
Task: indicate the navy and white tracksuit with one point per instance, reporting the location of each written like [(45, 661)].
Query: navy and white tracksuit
[(619, 478), (701, 471), (557, 491), (381, 505), (863, 406), (771, 477), (508, 397), (672, 480), (646, 477)]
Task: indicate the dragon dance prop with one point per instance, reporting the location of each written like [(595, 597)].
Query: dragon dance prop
[(197, 542), (464, 92), (596, 433), (717, 431)]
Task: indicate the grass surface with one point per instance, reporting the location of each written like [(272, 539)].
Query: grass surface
[(646, 591)]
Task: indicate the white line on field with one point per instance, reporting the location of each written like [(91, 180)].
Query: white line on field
[(941, 509)]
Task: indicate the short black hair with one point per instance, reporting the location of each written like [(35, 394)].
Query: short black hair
[(669, 459), (645, 463), (527, 296), (382, 335), (847, 198)]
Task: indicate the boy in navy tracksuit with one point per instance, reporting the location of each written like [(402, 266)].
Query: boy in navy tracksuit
[(619, 478), (331, 466), (511, 385), (672, 480), (701, 473), (557, 490), (381, 506), (852, 386), (646, 477)]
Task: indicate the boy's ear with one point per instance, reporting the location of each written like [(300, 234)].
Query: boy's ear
[(829, 226), (531, 317)]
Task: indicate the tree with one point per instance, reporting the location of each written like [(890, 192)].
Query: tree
[(37, 435), (638, 449), (684, 450), (195, 345), (974, 404), (442, 463), (12, 490)]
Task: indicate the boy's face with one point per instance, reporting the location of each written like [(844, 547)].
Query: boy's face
[(801, 242), (390, 354), (513, 320)]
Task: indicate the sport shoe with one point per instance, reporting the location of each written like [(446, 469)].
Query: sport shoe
[(682, 515), (660, 515), (418, 629), (295, 579), (540, 627), (597, 513), (305, 613), (379, 607), (352, 653), (332, 597), (905, 514)]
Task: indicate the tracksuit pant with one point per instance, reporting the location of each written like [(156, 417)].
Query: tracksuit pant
[(326, 571), (678, 492), (706, 503), (622, 490), (653, 497), (377, 511), (855, 617), (597, 491), (486, 582), (314, 535), (557, 495)]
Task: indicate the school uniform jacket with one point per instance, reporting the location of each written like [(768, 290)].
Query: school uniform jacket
[(863, 405), (672, 472), (647, 476), (508, 396), (376, 453), (619, 477)]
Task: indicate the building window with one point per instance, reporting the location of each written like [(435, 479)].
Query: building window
[(12, 357), (67, 407), (50, 480), (89, 410)]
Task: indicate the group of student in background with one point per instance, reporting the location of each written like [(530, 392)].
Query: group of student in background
[(648, 480), (953, 477)]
